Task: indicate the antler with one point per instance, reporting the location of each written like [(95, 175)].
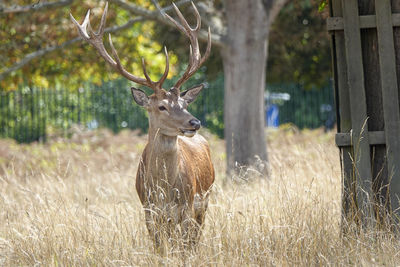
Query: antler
[(195, 59), (96, 40)]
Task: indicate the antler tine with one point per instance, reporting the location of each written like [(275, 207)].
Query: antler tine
[(179, 26), (163, 77), (190, 57), (208, 50), (186, 75), (184, 22), (96, 40), (187, 30), (166, 70), (145, 72), (103, 21), (82, 28), (115, 54), (195, 59), (198, 18)]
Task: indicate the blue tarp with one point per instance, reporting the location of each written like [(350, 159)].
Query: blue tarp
[(272, 116)]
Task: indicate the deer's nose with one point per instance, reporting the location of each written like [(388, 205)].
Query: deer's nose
[(195, 123)]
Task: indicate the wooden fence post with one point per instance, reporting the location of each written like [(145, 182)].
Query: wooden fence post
[(365, 179), (343, 114), (390, 96)]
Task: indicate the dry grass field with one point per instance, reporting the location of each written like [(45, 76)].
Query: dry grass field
[(72, 202)]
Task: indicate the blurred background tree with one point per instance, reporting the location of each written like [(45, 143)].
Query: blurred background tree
[(41, 38), (39, 47), (300, 45)]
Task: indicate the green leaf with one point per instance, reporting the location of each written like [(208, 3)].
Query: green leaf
[(322, 5)]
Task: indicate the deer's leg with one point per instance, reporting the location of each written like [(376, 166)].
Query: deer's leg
[(161, 224), (190, 229), (200, 207), (152, 227), (153, 223)]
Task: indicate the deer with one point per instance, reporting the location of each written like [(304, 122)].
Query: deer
[(175, 172)]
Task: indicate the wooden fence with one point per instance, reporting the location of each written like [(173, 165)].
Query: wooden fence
[(366, 57)]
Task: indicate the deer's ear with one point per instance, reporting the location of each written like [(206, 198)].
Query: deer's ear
[(191, 94), (140, 97)]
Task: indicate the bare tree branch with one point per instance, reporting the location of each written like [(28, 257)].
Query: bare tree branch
[(276, 7), (34, 7), (31, 56), (216, 39), (157, 5), (267, 4), (272, 9), (213, 18)]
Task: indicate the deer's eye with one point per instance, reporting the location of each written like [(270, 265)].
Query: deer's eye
[(162, 108)]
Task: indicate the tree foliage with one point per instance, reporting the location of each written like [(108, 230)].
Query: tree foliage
[(299, 46), (24, 33)]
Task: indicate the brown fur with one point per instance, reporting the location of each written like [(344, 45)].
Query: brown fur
[(175, 173), (173, 180)]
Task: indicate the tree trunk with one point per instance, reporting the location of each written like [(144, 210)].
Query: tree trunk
[(244, 62)]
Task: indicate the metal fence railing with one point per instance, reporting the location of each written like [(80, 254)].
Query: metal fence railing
[(306, 108), (30, 114), (27, 114)]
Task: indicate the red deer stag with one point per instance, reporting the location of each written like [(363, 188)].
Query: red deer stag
[(175, 171)]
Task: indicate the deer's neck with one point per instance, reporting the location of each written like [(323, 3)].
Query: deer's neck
[(163, 155)]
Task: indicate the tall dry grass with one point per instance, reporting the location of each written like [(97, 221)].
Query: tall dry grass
[(73, 202)]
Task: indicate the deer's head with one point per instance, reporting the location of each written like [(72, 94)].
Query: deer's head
[(167, 108)]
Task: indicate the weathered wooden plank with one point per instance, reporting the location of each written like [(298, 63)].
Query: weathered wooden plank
[(358, 107), (334, 24), (390, 95), (340, 68), (343, 114), (366, 22), (375, 138), (337, 23)]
